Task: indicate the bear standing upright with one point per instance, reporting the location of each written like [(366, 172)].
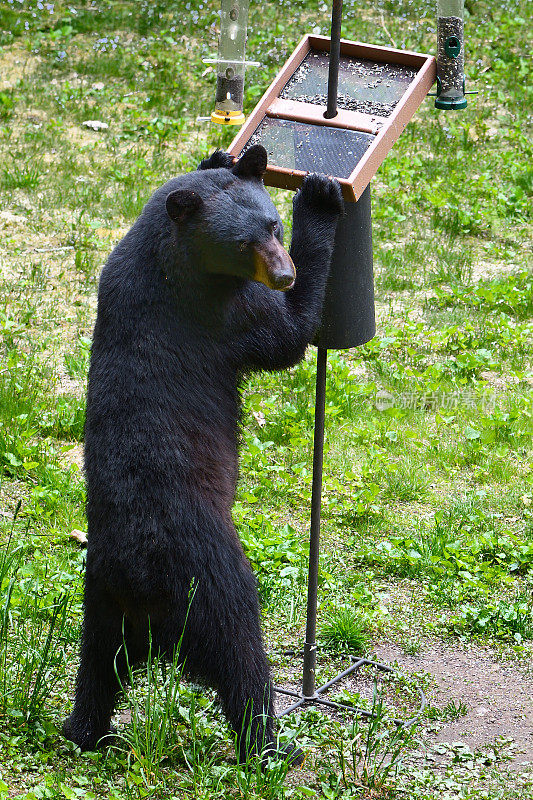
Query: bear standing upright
[(187, 304)]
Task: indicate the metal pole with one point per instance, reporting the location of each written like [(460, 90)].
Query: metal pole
[(309, 670), (358, 227), (334, 57)]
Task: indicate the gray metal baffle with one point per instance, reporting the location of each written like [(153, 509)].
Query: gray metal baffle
[(348, 315)]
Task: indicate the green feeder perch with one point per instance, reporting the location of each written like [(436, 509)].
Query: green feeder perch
[(450, 55)]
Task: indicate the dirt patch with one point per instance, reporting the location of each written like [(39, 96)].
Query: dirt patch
[(482, 270), (17, 63), (74, 455), (79, 136), (498, 696)]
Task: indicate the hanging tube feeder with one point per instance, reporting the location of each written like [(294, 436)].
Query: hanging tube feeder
[(231, 63), (450, 55)]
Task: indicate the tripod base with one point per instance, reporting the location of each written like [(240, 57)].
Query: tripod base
[(317, 699)]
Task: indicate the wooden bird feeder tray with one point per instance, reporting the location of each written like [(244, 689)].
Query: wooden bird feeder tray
[(379, 90)]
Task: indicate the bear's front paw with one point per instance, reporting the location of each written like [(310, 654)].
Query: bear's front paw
[(217, 160), (321, 192)]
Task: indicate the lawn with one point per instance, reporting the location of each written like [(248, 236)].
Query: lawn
[(427, 550)]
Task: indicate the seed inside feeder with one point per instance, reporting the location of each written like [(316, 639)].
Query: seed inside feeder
[(311, 148), (230, 89), (450, 69)]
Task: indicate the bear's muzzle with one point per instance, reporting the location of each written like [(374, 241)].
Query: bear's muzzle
[(273, 266)]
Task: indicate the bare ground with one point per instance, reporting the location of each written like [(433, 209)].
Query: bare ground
[(498, 695)]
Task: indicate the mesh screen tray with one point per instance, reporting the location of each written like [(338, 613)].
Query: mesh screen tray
[(380, 88), (311, 148)]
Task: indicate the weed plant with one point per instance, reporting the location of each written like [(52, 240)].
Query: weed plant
[(152, 736), (346, 628), (369, 752)]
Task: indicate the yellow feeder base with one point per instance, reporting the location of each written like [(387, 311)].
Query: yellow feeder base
[(227, 117)]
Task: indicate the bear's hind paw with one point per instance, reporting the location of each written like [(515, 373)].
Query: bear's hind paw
[(290, 753), (85, 738)]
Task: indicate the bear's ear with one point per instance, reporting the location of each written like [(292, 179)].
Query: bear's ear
[(182, 204), (252, 164)]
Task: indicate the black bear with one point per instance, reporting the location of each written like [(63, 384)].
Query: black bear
[(187, 304)]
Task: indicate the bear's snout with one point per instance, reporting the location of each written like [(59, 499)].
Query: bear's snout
[(283, 282), (273, 266)]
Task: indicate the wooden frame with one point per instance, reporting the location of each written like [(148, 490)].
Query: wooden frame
[(385, 129)]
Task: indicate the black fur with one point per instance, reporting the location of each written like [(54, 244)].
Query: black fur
[(179, 322), (252, 164)]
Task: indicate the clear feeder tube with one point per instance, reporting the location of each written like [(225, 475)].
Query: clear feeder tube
[(450, 55), (231, 63)]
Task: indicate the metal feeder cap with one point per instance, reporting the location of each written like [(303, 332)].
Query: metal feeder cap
[(450, 103), (227, 117)]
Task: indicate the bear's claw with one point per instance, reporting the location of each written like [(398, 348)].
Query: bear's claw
[(322, 192), (217, 160)]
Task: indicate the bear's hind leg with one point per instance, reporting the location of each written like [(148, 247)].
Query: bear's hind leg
[(96, 684), (246, 694), (223, 645)]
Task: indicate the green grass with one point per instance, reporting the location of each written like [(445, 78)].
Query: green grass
[(346, 629), (428, 498), (20, 176)]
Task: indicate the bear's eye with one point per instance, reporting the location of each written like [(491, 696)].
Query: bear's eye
[(275, 228), (243, 245)]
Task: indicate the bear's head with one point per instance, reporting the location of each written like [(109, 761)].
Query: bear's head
[(232, 225)]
